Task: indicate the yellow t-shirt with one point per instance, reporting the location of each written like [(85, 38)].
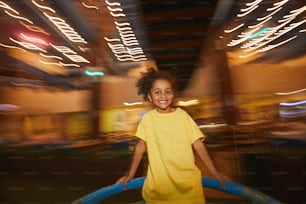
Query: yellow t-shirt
[(172, 175)]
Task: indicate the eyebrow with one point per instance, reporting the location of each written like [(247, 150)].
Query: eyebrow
[(160, 88)]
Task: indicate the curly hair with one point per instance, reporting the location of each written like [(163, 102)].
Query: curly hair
[(144, 84)]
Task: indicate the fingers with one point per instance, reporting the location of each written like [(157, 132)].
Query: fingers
[(222, 184), (227, 178), (123, 180), (221, 181), (125, 185), (120, 180)]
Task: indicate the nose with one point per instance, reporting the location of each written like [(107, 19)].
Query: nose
[(163, 94)]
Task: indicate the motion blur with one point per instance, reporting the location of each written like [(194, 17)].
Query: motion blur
[(69, 106)]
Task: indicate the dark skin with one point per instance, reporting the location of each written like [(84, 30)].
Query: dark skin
[(161, 97), (140, 149)]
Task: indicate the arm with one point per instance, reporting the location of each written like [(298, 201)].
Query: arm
[(140, 149), (201, 150)]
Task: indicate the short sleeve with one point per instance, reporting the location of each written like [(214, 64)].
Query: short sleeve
[(141, 130), (194, 132)]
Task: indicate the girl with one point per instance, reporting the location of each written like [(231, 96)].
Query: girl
[(169, 136)]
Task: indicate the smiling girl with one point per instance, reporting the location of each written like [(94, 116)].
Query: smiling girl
[(170, 137)]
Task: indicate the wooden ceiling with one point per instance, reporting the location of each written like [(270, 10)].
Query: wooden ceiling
[(176, 31), (172, 33)]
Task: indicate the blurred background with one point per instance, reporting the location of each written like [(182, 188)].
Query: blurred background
[(69, 107)]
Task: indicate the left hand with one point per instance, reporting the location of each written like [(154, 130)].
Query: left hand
[(221, 178)]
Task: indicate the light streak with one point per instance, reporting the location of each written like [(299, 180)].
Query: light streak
[(286, 30), (260, 24), (130, 36), (112, 4), (123, 29), (246, 13), (61, 64), (250, 5), (293, 103), (188, 103), (266, 35), (235, 28), (66, 29), (18, 17), (259, 33), (89, 6), (261, 36), (8, 107), (69, 65), (33, 39), (122, 24), (126, 32), (296, 12), (125, 55), (269, 47), (63, 49), (132, 104), (269, 15), (6, 6), (122, 48), (111, 39), (117, 14), (134, 51), (213, 125), (49, 63), (253, 3), (130, 43), (83, 49), (277, 5), (69, 53), (27, 45), (89, 73), (50, 56), (248, 55), (114, 9), (26, 85), (12, 47), (243, 34), (76, 58), (60, 24), (291, 92), (43, 7), (131, 58), (291, 113), (34, 28), (236, 42)]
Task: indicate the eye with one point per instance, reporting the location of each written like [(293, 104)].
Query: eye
[(157, 92), (168, 92)]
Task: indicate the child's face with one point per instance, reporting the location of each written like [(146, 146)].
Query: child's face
[(161, 95)]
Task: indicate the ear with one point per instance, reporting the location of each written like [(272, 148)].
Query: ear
[(149, 98)]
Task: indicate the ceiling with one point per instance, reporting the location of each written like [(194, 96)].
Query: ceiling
[(176, 32), (82, 35), (171, 33)]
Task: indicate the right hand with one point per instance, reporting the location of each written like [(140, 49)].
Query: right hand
[(124, 180)]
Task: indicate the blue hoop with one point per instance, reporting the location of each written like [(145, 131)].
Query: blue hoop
[(229, 187)]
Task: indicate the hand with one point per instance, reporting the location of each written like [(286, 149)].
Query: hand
[(221, 178), (124, 180)]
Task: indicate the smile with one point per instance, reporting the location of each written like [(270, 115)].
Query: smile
[(163, 101)]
